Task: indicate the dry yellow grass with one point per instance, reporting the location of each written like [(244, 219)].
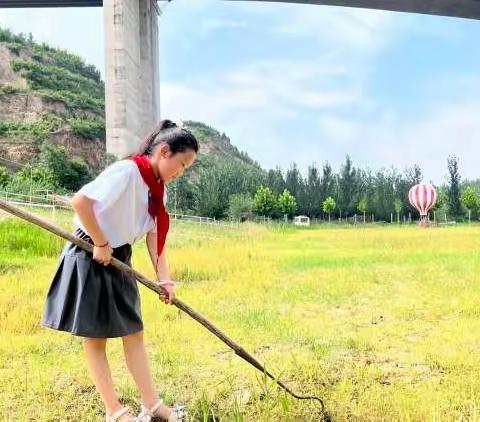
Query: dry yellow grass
[(384, 323)]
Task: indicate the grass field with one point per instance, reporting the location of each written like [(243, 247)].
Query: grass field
[(382, 322)]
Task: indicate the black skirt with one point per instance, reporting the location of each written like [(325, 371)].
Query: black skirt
[(90, 300)]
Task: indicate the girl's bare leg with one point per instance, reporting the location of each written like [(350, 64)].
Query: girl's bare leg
[(101, 375), (137, 362)]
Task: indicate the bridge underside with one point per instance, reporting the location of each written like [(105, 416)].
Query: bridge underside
[(50, 3), (458, 8)]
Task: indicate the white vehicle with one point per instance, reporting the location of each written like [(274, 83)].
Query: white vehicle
[(301, 220)]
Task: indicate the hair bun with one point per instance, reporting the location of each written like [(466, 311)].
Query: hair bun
[(167, 124)]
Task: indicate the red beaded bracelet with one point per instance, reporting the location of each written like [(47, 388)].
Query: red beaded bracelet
[(101, 246)]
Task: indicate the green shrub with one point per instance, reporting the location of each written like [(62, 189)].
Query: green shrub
[(15, 47), (73, 100), (9, 89), (7, 36), (4, 177), (88, 128), (70, 173), (45, 76), (37, 131)]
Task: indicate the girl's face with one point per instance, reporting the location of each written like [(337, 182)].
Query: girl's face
[(170, 166)]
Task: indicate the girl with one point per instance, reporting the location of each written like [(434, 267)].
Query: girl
[(91, 299)]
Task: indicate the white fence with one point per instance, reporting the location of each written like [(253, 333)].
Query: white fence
[(192, 218), (51, 200), (36, 199)]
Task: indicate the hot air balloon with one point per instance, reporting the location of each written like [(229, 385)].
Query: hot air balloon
[(422, 197)]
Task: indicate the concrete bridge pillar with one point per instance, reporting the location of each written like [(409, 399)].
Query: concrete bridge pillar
[(132, 94)]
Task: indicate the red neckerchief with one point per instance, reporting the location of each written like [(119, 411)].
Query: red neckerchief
[(156, 207)]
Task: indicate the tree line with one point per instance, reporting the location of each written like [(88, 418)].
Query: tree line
[(239, 190), (224, 188)]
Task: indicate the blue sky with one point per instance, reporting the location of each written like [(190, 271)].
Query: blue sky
[(307, 83)]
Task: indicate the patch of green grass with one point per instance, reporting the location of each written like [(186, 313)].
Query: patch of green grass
[(22, 240)]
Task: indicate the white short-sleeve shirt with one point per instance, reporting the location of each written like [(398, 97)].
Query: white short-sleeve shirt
[(121, 203)]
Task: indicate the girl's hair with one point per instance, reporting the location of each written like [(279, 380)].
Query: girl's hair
[(178, 139)]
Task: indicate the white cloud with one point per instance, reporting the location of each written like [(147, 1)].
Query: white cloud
[(340, 27), (256, 103), (453, 130), (314, 84), (428, 140), (359, 31), (277, 130), (319, 108)]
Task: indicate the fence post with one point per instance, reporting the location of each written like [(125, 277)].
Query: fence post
[(53, 206)]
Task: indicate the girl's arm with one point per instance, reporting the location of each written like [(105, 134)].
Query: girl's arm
[(162, 271), (83, 206)]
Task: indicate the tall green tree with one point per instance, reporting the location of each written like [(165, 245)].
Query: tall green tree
[(216, 181), (286, 203), (264, 202), (384, 197), (295, 185), (470, 200), (181, 196), (347, 188), (313, 191), (275, 181), (398, 205), (414, 174), (453, 192), (327, 182), (440, 208), (328, 206), (362, 207), (209, 187), (240, 207)]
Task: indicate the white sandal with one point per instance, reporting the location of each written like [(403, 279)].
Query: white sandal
[(118, 414), (178, 413)]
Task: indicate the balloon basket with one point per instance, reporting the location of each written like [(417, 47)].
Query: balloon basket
[(424, 223)]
